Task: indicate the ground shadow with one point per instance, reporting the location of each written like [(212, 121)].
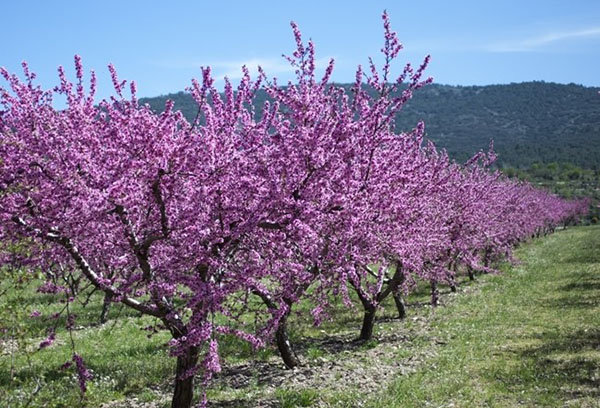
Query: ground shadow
[(237, 403), (565, 360), (273, 372), (578, 376)]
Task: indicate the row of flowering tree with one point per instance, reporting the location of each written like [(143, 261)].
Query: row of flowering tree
[(313, 195)]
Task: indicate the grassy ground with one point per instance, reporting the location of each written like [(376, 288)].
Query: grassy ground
[(529, 337)]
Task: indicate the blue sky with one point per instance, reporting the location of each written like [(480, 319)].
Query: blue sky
[(161, 45)]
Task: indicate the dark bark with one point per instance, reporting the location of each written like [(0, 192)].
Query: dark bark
[(370, 307), (184, 379), (454, 266), (400, 306), (87, 270), (435, 295), (396, 286), (158, 307), (290, 359), (370, 310), (471, 274), (486, 257), (366, 332), (105, 307)]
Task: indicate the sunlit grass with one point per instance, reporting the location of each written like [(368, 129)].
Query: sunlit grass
[(527, 337), (530, 337)]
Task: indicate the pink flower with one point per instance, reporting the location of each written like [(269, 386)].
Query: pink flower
[(48, 340)]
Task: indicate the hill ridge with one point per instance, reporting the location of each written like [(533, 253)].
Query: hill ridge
[(529, 122)]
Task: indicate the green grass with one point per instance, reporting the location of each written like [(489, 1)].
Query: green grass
[(528, 337), (293, 398), (121, 358)]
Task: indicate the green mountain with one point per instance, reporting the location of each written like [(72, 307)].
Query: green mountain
[(529, 122)]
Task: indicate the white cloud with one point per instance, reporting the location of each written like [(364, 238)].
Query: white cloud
[(538, 42), (271, 66), (232, 69)]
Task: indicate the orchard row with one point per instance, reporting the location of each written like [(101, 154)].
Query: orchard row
[(314, 196)]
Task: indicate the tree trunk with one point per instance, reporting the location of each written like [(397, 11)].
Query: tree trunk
[(105, 307), (454, 266), (285, 347), (471, 274), (290, 359), (435, 295), (184, 379), (486, 258), (400, 306), (370, 306), (366, 332)]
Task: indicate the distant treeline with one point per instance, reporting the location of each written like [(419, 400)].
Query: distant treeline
[(564, 179), (531, 122)]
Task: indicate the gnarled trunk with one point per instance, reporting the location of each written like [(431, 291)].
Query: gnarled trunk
[(290, 359), (453, 265), (105, 307), (486, 257), (366, 332), (393, 287), (400, 306), (184, 379), (435, 295)]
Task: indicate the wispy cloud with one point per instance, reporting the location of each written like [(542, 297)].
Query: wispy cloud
[(539, 42), (271, 66), (232, 69)]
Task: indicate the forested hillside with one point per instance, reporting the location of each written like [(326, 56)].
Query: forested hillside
[(528, 122)]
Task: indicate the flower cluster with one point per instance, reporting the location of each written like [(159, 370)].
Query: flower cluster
[(83, 373), (177, 220)]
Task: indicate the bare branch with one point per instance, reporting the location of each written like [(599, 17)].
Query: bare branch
[(86, 269)]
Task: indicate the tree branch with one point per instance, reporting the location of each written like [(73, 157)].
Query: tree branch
[(156, 192), (393, 283), (86, 269)]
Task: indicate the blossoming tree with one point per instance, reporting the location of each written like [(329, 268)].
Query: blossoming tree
[(177, 219)]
